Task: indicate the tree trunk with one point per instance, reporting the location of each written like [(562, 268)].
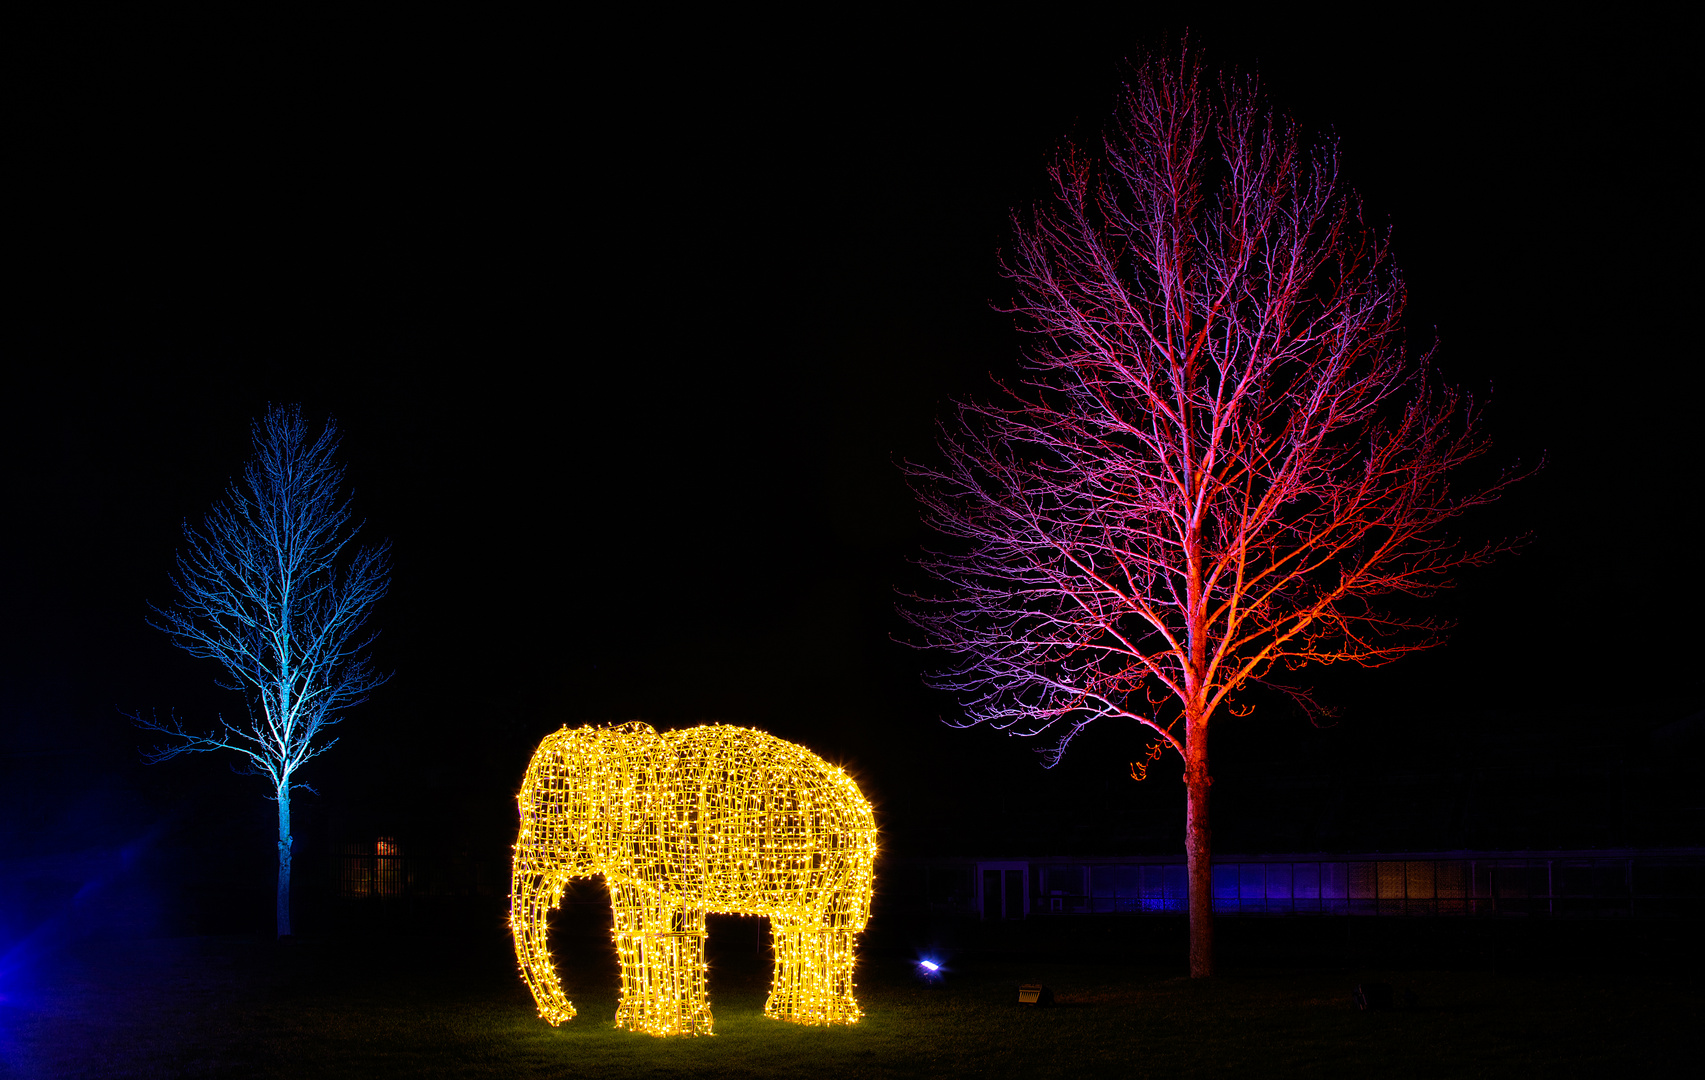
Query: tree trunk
[(284, 860), (1198, 845)]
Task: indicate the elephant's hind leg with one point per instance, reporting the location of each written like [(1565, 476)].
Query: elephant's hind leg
[(661, 950), (813, 977)]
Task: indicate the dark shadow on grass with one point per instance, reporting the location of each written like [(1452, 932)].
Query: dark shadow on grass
[(457, 1009)]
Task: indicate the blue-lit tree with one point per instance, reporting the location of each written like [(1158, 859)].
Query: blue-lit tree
[(272, 587)]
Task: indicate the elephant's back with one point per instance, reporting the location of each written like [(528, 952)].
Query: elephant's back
[(767, 822)]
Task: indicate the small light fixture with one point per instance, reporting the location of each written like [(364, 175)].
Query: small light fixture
[(930, 966), (1034, 994)]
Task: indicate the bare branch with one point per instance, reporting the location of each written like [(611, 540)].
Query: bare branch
[(271, 588), (1221, 457)]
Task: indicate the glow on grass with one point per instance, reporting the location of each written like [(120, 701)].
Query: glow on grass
[(706, 820)]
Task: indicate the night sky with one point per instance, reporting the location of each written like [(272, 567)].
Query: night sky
[(626, 327)]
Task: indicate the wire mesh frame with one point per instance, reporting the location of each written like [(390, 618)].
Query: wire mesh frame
[(712, 819)]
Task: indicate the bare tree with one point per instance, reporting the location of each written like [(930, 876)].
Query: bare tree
[(1219, 459), (270, 588)]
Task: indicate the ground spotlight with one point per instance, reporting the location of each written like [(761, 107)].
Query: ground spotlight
[(930, 970), (1035, 994)]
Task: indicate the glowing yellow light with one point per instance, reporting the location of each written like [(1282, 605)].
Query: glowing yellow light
[(706, 820)]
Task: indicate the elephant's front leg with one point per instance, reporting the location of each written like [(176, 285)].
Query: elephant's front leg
[(660, 945), (814, 976)]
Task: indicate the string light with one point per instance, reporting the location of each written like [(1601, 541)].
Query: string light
[(711, 819)]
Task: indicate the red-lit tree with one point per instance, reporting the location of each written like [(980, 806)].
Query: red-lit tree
[(1221, 455)]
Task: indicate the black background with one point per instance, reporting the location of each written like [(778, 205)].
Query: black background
[(626, 326)]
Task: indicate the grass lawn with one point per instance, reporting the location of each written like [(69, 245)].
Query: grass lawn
[(225, 1007)]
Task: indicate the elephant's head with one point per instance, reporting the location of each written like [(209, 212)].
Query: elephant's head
[(575, 800), (577, 795)]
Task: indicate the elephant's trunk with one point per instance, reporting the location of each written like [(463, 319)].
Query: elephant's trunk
[(533, 892), (541, 871)]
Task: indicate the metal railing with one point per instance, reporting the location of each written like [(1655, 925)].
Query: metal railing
[(1627, 883), (367, 871)]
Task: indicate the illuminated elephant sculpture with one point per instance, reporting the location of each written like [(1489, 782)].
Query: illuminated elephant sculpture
[(704, 820)]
